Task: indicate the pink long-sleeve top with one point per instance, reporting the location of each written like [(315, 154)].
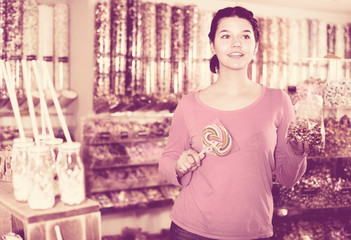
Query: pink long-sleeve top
[(229, 197)]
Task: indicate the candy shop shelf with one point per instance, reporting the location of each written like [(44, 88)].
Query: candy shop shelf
[(7, 119), (148, 205), (125, 128), (106, 138), (324, 188), (136, 198), (328, 158), (336, 112), (127, 186), (312, 212), (133, 164), (123, 154)]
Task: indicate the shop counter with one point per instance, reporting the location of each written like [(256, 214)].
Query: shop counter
[(77, 222)]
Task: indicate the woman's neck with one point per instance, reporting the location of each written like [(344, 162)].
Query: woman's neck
[(237, 80)]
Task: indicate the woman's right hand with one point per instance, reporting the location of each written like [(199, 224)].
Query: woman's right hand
[(188, 161)]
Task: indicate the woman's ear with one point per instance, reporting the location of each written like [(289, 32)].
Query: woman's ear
[(256, 48), (212, 48)]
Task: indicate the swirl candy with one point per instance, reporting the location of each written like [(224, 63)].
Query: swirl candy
[(216, 139)]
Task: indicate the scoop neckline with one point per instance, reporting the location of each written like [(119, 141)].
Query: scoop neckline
[(253, 104)]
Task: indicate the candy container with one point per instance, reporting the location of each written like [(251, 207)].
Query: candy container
[(11, 236), (41, 194), (53, 144), (216, 139), (19, 165), (70, 172), (309, 124)]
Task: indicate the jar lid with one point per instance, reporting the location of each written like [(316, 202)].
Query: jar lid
[(39, 149), (43, 137), (53, 141), (22, 142), (69, 145)]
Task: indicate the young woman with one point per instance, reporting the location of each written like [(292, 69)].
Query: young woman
[(229, 197)]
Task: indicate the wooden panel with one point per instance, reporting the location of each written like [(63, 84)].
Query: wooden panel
[(72, 228), (35, 231), (17, 226), (93, 221), (5, 221), (60, 210)]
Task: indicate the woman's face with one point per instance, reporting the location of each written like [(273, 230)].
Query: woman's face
[(234, 43)]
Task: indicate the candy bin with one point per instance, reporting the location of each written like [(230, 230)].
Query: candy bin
[(19, 165), (70, 172), (41, 195)]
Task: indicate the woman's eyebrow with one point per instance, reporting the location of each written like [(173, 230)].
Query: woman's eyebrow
[(244, 31)]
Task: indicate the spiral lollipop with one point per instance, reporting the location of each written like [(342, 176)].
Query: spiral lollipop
[(216, 139)]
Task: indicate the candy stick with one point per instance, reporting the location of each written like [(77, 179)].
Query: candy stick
[(56, 102), (30, 101), (42, 99), (13, 97), (208, 148)]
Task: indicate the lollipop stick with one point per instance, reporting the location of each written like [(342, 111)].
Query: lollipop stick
[(44, 107), (13, 97), (30, 101), (208, 148), (56, 102)]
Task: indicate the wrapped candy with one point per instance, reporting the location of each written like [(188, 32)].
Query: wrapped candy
[(308, 125), (217, 140)]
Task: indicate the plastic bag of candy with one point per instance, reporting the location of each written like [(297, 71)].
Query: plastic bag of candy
[(309, 124)]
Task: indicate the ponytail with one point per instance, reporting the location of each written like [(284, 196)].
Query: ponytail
[(214, 64)]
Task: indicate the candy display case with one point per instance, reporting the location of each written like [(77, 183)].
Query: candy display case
[(121, 154), (319, 205)]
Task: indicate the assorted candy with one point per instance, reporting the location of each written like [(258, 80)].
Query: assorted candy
[(103, 130), (130, 198), (338, 93), (308, 125), (307, 131)]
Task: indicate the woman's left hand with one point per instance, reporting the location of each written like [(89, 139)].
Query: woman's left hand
[(299, 147)]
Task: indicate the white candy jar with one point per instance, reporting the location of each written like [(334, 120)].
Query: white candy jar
[(41, 195), (53, 144), (19, 166), (70, 172)]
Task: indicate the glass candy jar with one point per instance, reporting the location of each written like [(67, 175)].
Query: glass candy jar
[(53, 144), (70, 172), (41, 195), (19, 166)]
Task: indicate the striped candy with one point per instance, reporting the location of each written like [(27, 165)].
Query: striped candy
[(216, 139)]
